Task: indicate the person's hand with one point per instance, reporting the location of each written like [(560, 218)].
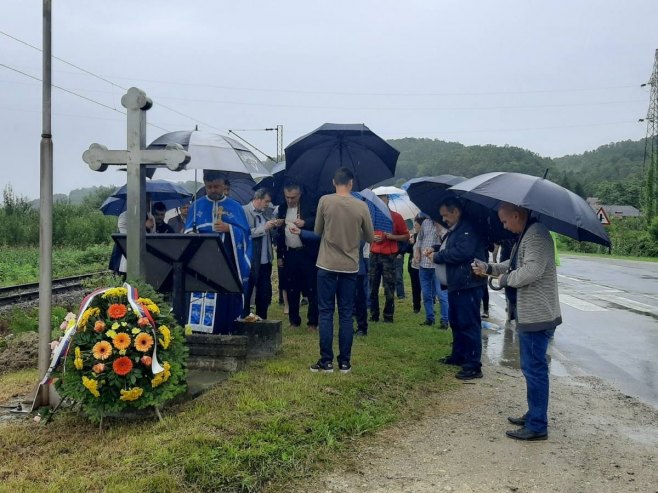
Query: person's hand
[(428, 252), (479, 267), (412, 240), (294, 230), (270, 224), (150, 223), (220, 227), (378, 238), (278, 222), (299, 223)]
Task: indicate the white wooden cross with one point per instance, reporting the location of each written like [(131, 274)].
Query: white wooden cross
[(98, 157)]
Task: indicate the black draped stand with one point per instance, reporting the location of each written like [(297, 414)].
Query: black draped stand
[(176, 263)]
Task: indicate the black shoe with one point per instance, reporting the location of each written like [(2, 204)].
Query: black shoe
[(449, 360), (344, 367), (321, 367), (526, 434), (427, 322), (468, 374), (304, 301), (416, 310), (360, 333), (485, 314), (444, 326), (517, 421)]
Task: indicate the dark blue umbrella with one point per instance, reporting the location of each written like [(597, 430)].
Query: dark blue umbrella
[(242, 188), (172, 194), (559, 209), (312, 159)]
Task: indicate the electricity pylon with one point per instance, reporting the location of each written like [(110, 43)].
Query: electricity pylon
[(650, 165)]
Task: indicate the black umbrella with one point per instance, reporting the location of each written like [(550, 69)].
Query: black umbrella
[(312, 159), (241, 188), (275, 182), (559, 209), (428, 192)]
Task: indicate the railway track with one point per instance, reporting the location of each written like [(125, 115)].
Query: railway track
[(26, 293)]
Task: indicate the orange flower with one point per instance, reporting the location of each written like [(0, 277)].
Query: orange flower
[(102, 350), (146, 360), (143, 342), (98, 368), (99, 326), (122, 366), (143, 322), (121, 341), (117, 311)]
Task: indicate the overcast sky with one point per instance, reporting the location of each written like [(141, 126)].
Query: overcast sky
[(556, 77)]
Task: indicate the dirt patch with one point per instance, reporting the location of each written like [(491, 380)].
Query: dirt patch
[(600, 441), (19, 352)]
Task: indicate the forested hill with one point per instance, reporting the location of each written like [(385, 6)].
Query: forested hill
[(618, 161), (427, 157), (585, 174)]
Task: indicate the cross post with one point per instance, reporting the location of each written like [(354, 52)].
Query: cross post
[(135, 157)]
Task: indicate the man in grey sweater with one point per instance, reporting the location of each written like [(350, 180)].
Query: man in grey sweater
[(531, 273), (342, 221)]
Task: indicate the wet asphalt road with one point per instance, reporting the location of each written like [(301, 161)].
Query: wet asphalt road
[(610, 328)]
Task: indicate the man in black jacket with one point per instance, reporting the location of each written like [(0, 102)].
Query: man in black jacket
[(296, 256), (454, 256)]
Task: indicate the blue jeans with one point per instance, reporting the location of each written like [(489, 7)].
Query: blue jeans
[(428, 289), (466, 325), (534, 365), (336, 287)]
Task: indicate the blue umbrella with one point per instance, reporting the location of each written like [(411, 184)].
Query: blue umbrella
[(172, 194), (379, 212), (312, 159), (559, 209)]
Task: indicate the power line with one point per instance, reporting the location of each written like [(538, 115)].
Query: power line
[(102, 79)]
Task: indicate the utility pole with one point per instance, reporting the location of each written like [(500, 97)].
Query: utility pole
[(650, 166)]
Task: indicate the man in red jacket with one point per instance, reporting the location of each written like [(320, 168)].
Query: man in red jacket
[(383, 252)]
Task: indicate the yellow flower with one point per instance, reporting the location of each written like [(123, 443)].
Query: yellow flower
[(188, 330), (78, 353), (136, 330), (150, 306), (77, 362), (115, 325), (91, 385), (70, 323), (115, 293), (122, 352), (84, 318), (163, 376), (111, 334), (131, 395), (166, 336)]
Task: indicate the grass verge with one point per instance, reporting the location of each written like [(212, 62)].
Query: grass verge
[(270, 424)]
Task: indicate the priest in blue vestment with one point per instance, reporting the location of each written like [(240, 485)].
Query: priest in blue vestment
[(217, 213)]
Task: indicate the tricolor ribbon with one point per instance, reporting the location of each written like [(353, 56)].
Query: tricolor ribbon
[(142, 312)]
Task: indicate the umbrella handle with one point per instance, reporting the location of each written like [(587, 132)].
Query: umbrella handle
[(492, 285)]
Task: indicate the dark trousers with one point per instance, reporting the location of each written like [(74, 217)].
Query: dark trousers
[(361, 303), (466, 325), (262, 283), (485, 299), (336, 288), (382, 268), (301, 275), (399, 276), (414, 275)]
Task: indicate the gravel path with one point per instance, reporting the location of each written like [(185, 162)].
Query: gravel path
[(599, 441)]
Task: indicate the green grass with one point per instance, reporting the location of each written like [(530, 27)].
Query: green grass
[(607, 256), (21, 265), (268, 425)]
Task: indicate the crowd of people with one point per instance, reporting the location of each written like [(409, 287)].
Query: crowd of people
[(329, 252)]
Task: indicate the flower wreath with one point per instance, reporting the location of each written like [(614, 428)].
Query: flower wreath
[(122, 352)]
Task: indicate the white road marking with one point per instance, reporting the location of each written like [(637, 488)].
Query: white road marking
[(620, 300), (579, 304)]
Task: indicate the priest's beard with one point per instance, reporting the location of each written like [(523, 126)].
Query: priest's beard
[(216, 196)]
